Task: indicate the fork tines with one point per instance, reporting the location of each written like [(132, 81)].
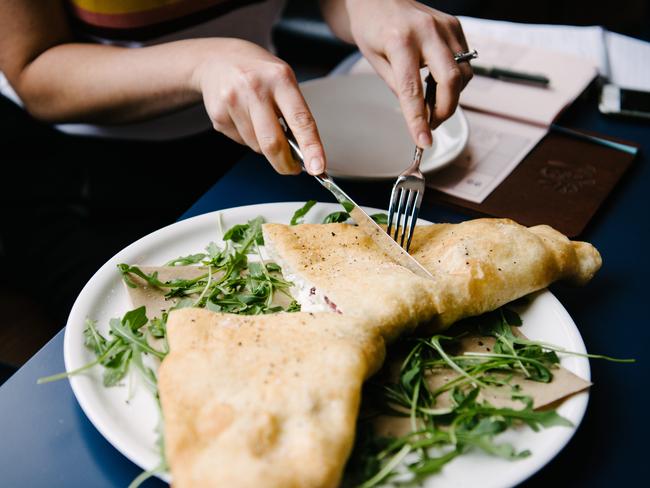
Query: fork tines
[(405, 202)]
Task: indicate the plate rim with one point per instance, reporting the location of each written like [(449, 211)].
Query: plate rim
[(450, 158), (84, 394)]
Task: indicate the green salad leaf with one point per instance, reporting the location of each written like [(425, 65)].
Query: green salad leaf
[(301, 212), (336, 218), (438, 433), (341, 217)]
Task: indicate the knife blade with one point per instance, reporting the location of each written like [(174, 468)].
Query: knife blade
[(378, 235)]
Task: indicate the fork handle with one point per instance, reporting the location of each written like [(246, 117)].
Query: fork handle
[(429, 104), (430, 96)]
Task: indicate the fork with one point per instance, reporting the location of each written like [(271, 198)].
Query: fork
[(408, 190)]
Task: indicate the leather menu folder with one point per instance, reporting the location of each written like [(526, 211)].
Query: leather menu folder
[(562, 182)]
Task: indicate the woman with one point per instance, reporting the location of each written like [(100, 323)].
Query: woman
[(141, 70), (244, 88)]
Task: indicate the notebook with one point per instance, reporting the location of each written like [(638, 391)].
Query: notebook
[(562, 182)]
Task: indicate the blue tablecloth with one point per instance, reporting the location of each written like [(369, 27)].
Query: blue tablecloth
[(46, 439)]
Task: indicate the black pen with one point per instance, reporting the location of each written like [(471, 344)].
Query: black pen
[(510, 75)]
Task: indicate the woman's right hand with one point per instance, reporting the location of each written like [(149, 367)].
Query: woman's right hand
[(245, 89)]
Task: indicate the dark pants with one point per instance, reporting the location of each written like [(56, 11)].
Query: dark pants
[(67, 204)]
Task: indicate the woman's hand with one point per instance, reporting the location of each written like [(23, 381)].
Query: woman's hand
[(245, 89), (398, 37)]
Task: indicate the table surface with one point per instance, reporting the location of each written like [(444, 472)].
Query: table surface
[(46, 440)]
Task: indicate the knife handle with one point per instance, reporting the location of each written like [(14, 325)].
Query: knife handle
[(297, 153), (293, 144)]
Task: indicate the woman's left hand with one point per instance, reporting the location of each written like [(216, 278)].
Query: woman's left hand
[(398, 37)]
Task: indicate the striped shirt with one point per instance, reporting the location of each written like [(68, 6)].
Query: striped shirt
[(143, 20)]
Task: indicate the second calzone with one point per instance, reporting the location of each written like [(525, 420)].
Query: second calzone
[(264, 400)]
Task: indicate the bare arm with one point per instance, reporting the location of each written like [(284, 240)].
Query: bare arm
[(243, 87), (335, 13), (397, 37), (59, 80)]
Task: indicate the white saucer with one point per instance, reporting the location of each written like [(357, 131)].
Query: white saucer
[(365, 134)]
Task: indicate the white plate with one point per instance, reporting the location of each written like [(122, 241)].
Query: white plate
[(364, 132), (130, 426)]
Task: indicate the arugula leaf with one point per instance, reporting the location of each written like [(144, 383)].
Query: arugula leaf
[(336, 218), (121, 330), (117, 366), (348, 206), (433, 465), (236, 233), (135, 318), (301, 212), (214, 251), (254, 234), (340, 217), (152, 278), (146, 372), (246, 234), (158, 326), (93, 340), (493, 324)]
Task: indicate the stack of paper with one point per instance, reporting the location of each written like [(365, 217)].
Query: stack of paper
[(622, 60), (569, 76)]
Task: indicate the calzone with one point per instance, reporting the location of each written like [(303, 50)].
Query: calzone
[(262, 401), (477, 266)]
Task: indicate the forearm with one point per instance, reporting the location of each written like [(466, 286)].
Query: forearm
[(335, 13), (108, 84)]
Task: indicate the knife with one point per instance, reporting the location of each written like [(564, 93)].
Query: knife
[(362, 219)]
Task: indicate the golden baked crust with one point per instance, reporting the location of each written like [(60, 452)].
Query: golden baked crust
[(354, 275), (270, 400), (477, 265), (483, 264)]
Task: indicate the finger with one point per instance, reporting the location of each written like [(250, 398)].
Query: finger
[(271, 138), (465, 67), (456, 30), (294, 109), (457, 43), (221, 122), (242, 121), (383, 69), (448, 75), (405, 64)]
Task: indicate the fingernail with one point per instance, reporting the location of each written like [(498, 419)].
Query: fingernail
[(316, 165), (424, 139)]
